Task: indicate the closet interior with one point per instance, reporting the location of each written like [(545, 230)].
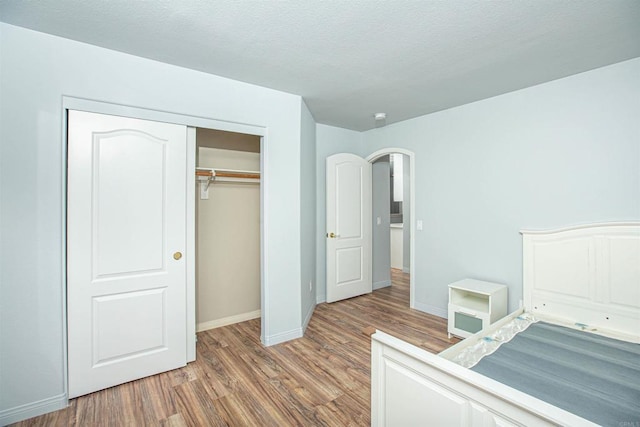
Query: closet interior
[(227, 228)]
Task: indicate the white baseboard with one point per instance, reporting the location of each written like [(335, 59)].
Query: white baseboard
[(381, 284), (30, 410), (320, 299), (436, 311), (283, 337), (204, 326), (406, 270), (307, 318)]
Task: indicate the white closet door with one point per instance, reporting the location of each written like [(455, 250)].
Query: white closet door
[(126, 233)]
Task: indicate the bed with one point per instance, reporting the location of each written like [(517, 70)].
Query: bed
[(585, 280)]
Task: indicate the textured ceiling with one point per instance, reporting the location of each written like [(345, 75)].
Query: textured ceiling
[(350, 59)]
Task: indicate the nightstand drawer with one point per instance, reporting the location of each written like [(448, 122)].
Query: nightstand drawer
[(466, 323)]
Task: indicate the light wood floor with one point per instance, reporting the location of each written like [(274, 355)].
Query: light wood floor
[(320, 379)]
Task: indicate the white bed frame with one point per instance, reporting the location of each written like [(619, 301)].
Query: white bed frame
[(587, 276)]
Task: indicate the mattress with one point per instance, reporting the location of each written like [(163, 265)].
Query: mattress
[(592, 376)]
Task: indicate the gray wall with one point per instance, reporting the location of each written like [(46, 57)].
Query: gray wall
[(227, 275), (406, 214), (381, 243), (307, 213), (561, 153), (37, 71)]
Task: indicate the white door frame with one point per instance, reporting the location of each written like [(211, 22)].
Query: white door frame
[(71, 103), (412, 210)]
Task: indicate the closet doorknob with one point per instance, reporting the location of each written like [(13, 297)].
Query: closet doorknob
[(177, 255), (333, 235)]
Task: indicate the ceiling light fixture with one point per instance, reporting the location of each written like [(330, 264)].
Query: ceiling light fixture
[(380, 119)]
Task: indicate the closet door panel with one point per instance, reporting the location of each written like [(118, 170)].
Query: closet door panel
[(126, 234)]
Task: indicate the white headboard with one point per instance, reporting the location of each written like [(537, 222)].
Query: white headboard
[(588, 274)]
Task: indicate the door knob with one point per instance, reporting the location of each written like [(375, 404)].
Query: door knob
[(332, 235), (177, 255)]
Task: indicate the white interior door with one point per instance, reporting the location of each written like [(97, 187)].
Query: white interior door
[(348, 226), (126, 233)]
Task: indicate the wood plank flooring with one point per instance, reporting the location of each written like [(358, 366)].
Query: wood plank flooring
[(322, 379)]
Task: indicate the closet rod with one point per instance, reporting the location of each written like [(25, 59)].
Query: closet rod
[(227, 173)]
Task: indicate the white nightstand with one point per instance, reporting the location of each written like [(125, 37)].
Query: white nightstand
[(474, 305)]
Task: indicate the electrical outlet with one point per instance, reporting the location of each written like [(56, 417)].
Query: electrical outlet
[(310, 285)]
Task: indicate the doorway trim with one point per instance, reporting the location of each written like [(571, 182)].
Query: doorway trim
[(412, 209), (101, 107)]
